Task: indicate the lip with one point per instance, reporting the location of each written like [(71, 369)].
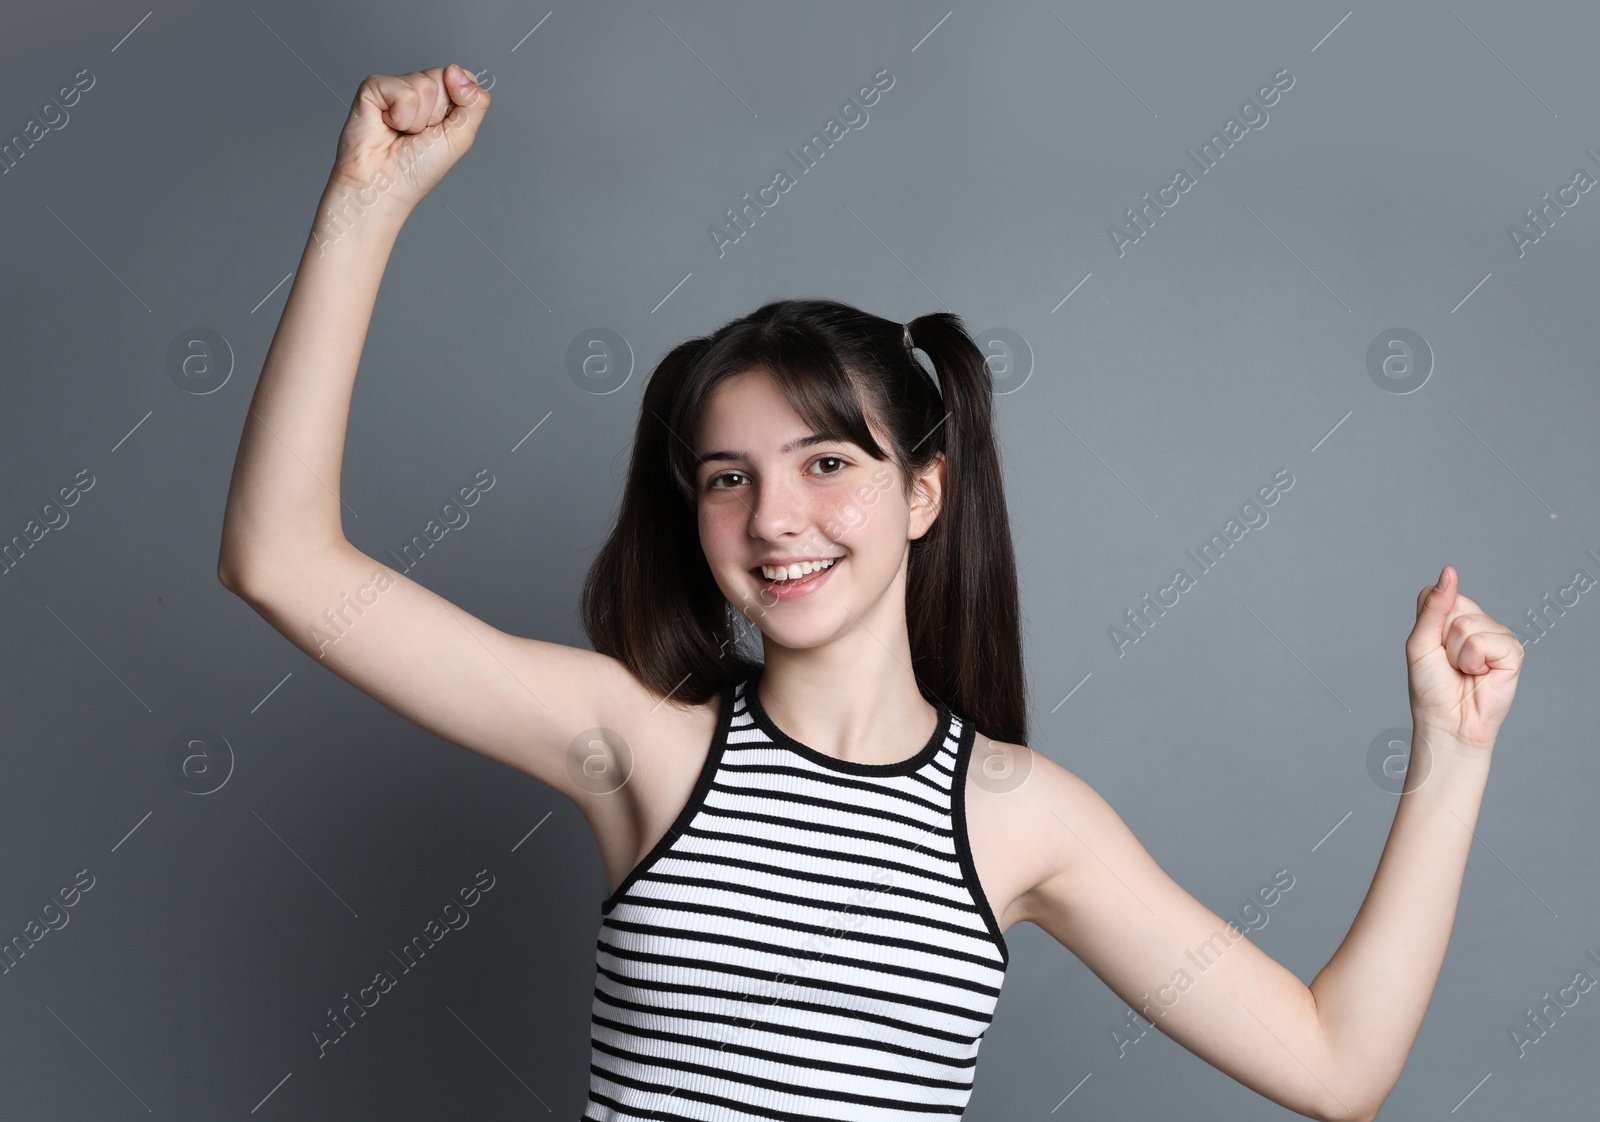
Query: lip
[(805, 586)]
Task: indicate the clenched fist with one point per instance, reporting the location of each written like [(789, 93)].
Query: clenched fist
[(1462, 666), (405, 132)]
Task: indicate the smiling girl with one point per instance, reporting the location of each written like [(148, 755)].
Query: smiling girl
[(813, 856)]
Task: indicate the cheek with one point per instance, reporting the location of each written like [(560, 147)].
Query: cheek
[(715, 532), (841, 516), (725, 541), (860, 522)]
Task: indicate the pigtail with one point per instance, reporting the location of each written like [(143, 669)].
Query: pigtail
[(962, 608)]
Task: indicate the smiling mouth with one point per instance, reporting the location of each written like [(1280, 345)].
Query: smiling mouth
[(795, 582)]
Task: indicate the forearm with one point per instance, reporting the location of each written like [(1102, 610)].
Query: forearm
[(1374, 991), (284, 498)]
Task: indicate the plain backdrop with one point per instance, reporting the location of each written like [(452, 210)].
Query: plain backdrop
[(1144, 393)]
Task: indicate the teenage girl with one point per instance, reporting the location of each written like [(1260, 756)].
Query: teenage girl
[(809, 886)]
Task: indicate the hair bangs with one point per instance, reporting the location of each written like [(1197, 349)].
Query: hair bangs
[(805, 368)]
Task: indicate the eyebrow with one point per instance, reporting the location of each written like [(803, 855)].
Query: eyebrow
[(808, 440)]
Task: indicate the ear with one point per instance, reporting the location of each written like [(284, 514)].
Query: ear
[(927, 496)]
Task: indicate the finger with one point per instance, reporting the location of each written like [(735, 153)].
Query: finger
[(396, 99), (1433, 610), (469, 102), (431, 99), (437, 99), (1483, 651), (1461, 627)]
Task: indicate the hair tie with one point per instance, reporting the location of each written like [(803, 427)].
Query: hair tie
[(905, 335)]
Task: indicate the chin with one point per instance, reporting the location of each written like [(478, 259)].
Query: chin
[(797, 642)]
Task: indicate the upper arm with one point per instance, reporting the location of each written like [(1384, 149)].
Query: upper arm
[(1173, 960), (516, 700)]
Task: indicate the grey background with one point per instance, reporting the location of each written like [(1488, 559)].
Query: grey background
[(1228, 343)]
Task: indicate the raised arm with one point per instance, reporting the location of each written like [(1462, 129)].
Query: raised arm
[(519, 701), (1333, 1049), (1462, 670)]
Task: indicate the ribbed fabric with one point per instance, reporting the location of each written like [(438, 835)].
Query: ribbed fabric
[(807, 941)]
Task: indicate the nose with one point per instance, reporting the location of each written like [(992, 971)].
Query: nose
[(776, 511), (785, 519)]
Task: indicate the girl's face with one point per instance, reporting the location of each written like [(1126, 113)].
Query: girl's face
[(770, 492)]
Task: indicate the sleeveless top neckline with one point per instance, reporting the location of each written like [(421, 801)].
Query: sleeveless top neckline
[(767, 725), (807, 942)]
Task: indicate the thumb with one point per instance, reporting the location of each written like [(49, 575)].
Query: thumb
[(1433, 611), (469, 102)]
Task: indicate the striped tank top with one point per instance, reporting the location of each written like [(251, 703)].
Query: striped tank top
[(808, 940)]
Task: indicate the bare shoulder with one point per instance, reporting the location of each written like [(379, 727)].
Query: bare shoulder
[(644, 740), (638, 767), (1020, 806)]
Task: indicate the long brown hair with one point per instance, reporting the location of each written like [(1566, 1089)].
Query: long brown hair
[(650, 600)]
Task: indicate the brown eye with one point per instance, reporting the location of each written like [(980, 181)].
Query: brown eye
[(836, 459)]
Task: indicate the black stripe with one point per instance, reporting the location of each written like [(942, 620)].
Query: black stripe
[(730, 1045), (814, 1091), (786, 797), (824, 828), (660, 927), (928, 775), (714, 861), (662, 958), (731, 764), (952, 878), (735, 889), (623, 1111), (919, 1027)]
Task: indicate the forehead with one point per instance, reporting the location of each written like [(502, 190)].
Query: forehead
[(751, 400), (747, 414)]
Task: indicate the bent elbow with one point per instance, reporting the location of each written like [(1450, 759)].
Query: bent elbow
[(1352, 1109), (243, 580), (229, 575)]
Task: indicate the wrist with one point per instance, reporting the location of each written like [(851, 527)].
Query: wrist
[(346, 210), (1440, 750), (1445, 736)]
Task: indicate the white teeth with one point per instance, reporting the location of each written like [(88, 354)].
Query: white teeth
[(799, 569)]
